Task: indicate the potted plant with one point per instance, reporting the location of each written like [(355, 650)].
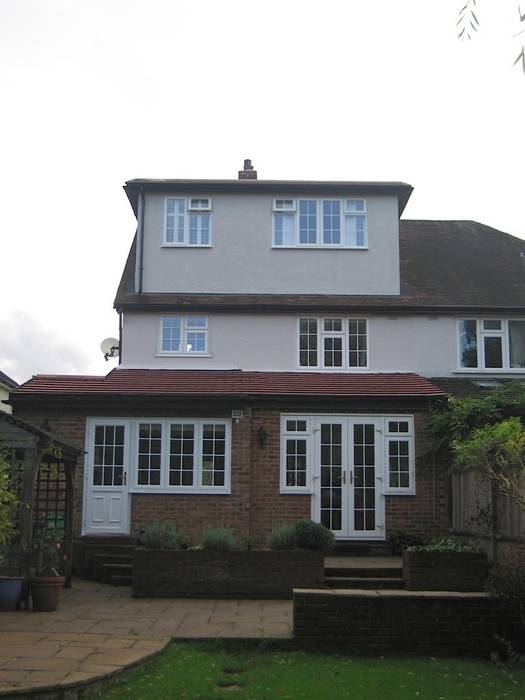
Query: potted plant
[(10, 586), (46, 583)]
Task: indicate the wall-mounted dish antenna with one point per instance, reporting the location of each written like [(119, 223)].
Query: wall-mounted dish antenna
[(109, 347)]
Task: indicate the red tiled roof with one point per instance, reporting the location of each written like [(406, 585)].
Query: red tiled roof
[(137, 382)]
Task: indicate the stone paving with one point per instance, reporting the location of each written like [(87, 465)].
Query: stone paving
[(100, 630)]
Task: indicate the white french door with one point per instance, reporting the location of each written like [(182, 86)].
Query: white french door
[(106, 497), (348, 476)]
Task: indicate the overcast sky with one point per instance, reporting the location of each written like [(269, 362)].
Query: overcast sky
[(95, 92)]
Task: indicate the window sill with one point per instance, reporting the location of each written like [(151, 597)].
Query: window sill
[(185, 245), (400, 492), (491, 370), (296, 491), (183, 354), (201, 491), (331, 370), (318, 247)]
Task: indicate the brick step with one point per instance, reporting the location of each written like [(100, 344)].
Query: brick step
[(107, 571), (85, 555), (363, 582), (362, 549), (100, 559), (121, 580), (366, 572)]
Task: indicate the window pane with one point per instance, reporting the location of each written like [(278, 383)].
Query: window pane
[(174, 221), (331, 222), (308, 222), (213, 450), (284, 229), (357, 343), (308, 342), (196, 341), (181, 455), (491, 325), (149, 452), (171, 334), (284, 203), (493, 351), (355, 205), (517, 343), (199, 233), (295, 462), (196, 321), (355, 231), (468, 344)]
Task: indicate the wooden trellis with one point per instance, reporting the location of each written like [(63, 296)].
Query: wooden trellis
[(42, 473)]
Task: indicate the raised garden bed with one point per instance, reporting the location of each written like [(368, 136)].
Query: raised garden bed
[(162, 573), (444, 571)]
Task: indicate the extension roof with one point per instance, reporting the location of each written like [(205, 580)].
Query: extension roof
[(228, 383), (445, 266), (6, 381)]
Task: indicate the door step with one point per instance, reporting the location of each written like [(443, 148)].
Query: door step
[(367, 583), (361, 549)]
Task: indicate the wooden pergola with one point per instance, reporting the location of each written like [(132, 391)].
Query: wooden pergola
[(42, 475)]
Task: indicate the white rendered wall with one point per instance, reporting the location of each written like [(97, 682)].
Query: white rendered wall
[(4, 394), (242, 260), (268, 342)]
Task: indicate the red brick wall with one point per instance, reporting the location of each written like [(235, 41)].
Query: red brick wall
[(426, 513), (255, 506)]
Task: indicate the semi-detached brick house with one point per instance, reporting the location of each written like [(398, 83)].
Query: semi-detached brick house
[(278, 341)]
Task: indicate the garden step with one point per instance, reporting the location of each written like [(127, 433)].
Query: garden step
[(84, 557), (362, 582), (121, 580), (366, 572), (100, 559), (364, 549), (107, 571)]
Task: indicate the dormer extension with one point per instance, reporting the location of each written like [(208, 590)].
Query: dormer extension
[(251, 236)]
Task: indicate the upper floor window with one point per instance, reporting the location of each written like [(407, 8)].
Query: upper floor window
[(321, 223), (184, 334), (333, 343), (491, 344), (187, 221)]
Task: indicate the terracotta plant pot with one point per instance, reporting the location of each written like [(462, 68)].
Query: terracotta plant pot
[(10, 592), (45, 592)]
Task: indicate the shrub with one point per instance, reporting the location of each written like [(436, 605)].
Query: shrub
[(220, 539), (445, 544), (310, 535), (283, 538), (161, 536)]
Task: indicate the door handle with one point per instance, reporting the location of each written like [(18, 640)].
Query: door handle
[(125, 478), (344, 476), (351, 476)]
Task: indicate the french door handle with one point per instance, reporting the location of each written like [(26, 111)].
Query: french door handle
[(351, 476), (344, 476), (125, 478)]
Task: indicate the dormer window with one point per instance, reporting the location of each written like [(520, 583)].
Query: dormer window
[(319, 223), (187, 222)]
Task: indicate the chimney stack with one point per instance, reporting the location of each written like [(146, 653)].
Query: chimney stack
[(248, 173)]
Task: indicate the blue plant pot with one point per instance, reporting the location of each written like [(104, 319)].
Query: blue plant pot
[(10, 592)]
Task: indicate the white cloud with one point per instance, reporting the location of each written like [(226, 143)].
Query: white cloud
[(28, 347)]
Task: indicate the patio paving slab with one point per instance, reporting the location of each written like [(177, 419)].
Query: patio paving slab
[(100, 630)]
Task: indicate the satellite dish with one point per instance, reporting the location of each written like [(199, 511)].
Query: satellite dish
[(109, 347)]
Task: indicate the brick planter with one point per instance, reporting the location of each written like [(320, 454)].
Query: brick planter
[(160, 573), (445, 571)]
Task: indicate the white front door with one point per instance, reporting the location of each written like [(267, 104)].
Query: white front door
[(348, 475), (106, 498)]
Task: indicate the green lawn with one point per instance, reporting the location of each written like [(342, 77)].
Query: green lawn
[(248, 671)]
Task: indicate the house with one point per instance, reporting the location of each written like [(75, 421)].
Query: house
[(279, 348), (6, 385)]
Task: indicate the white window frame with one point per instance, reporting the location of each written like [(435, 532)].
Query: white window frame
[(312, 419), (184, 330), (344, 212), (481, 334), (321, 334), (188, 210), (164, 486), (393, 436)]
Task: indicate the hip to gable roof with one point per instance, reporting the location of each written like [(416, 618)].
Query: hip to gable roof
[(444, 266), (233, 383)]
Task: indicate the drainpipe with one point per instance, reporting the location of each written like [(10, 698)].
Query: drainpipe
[(120, 338), (141, 212)]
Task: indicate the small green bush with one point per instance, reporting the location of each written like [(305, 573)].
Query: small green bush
[(283, 538), (445, 544), (310, 535), (220, 539), (161, 536), (304, 534)]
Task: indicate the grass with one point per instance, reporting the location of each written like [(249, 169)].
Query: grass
[(219, 670)]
